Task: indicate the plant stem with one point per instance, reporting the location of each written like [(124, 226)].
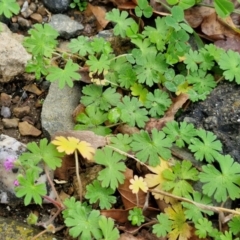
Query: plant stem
[(126, 154), (78, 176), (200, 205), (52, 185)]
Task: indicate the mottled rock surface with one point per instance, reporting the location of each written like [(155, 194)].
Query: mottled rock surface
[(57, 6), (13, 58), (66, 27), (58, 108)]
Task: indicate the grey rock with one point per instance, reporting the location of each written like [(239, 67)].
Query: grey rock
[(58, 108), (13, 57), (65, 26), (11, 148), (57, 6), (5, 112)]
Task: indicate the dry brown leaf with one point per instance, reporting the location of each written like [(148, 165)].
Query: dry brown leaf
[(195, 15), (119, 215), (229, 43), (100, 15), (128, 198), (169, 116)]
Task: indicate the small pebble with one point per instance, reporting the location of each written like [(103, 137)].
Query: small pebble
[(5, 112)]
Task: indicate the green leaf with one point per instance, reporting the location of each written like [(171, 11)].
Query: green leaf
[(42, 40), (234, 224), (91, 120), (177, 178), (180, 133), (202, 82), (108, 230), (112, 175), (193, 212), (143, 8), (140, 91), (205, 146), (132, 112), (227, 236), (96, 193), (100, 45), (151, 148), (222, 183), (121, 142), (37, 66), (203, 227), (223, 7), (95, 96), (136, 216), (127, 77), (185, 4), (158, 102), (122, 21), (98, 65), (83, 224), (230, 63), (81, 45), (9, 7), (64, 76), (114, 115), (29, 189), (44, 152), (192, 59), (164, 225)]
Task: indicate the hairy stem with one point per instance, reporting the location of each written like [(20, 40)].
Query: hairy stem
[(78, 176)]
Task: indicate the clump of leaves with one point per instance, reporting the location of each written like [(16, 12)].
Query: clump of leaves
[(9, 7), (80, 4), (136, 216)]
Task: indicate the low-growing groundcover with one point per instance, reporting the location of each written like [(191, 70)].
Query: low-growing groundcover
[(135, 89)]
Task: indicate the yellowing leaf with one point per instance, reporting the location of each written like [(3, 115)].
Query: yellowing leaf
[(155, 180), (183, 88), (67, 145), (86, 150), (70, 144), (180, 228), (138, 183)]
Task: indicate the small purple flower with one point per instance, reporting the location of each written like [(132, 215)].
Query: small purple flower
[(16, 183), (9, 163)]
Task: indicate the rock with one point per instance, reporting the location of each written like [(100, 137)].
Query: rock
[(27, 129), (58, 107), (13, 57), (57, 6), (10, 123), (33, 89), (5, 112), (66, 27), (24, 23), (20, 112), (5, 99), (36, 17), (220, 113), (11, 148), (14, 229)]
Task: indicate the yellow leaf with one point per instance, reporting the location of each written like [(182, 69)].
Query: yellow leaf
[(138, 183), (155, 180), (67, 145), (183, 88), (86, 150), (181, 229)]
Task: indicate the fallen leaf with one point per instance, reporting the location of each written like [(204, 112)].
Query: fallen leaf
[(99, 13), (33, 89), (129, 199)]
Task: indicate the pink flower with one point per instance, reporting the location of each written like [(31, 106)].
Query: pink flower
[(16, 183), (9, 163)]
